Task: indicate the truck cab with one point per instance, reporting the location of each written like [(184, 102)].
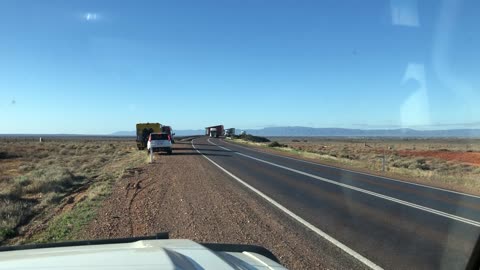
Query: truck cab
[(213, 132), (169, 131)]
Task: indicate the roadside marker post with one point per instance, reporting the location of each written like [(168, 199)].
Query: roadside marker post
[(383, 160), (151, 155)]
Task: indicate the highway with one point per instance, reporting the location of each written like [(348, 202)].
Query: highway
[(384, 223)]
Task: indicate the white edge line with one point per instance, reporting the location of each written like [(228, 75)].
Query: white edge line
[(424, 208), (332, 240), (352, 171)]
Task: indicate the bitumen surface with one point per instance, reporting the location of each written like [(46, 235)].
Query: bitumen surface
[(391, 223)]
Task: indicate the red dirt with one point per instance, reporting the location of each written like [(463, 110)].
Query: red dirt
[(471, 158)]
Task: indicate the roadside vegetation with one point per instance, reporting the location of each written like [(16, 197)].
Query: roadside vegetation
[(251, 138), (49, 190), (276, 144), (447, 163)]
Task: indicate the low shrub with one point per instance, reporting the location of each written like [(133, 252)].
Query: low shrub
[(56, 179), (422, 165), (14, 191), (6, 155), (276, 144), (7, 233), (349, 156), (401, 164), (251, 138), (26, 167), (13, 212)]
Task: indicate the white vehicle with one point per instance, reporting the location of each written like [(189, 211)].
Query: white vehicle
[(142, 254), (160, 142), (213, 132)]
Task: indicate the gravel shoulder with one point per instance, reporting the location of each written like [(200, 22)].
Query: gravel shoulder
[(187, 196)]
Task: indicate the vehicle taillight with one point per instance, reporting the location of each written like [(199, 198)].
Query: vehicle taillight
[(169, 137), (150, 138)]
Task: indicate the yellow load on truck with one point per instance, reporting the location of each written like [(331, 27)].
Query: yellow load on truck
[(143, 131)]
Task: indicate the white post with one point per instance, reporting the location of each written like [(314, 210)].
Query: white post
[(383, 163), (383, 160), (151, 154)]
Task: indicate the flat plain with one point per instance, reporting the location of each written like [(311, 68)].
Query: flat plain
[(451, 163)]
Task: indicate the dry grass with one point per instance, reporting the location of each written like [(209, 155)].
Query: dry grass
[(13, 211), (37, 177), (447, 163)]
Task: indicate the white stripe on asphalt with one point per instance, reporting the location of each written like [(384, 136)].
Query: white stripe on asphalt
[(321, 233), (424, 208), (347, 170)]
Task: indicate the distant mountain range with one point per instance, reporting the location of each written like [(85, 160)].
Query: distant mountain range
[(123, 133), (345, 132), (336, 132)]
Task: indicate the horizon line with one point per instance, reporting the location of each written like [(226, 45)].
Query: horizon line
[(179, 130)]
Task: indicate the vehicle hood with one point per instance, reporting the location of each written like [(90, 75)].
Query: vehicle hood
[(144, 254)]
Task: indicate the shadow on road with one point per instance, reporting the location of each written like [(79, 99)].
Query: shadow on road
[(203, 144), (189, 143), (196, 153)]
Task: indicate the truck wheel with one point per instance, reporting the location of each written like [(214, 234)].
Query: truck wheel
[(169, 152)]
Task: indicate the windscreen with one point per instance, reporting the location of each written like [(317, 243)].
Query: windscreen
[(338, 134), (159, 136)]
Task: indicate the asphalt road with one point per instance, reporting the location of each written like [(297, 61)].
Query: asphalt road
[(386, 223)]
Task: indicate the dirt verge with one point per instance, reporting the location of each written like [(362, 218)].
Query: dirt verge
[(187, 196)]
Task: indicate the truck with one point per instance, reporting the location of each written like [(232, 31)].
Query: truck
[(143, 131), (215, 131), (230, 132), (168, 130)]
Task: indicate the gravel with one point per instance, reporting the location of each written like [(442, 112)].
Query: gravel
[(187, 196)]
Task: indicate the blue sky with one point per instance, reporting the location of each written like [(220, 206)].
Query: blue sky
[(96, 67)]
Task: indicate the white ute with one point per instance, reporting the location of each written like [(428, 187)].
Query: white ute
[(160, 142)]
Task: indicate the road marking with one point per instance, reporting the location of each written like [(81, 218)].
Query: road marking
[(321, 233), (424, 208), (347, 170)]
